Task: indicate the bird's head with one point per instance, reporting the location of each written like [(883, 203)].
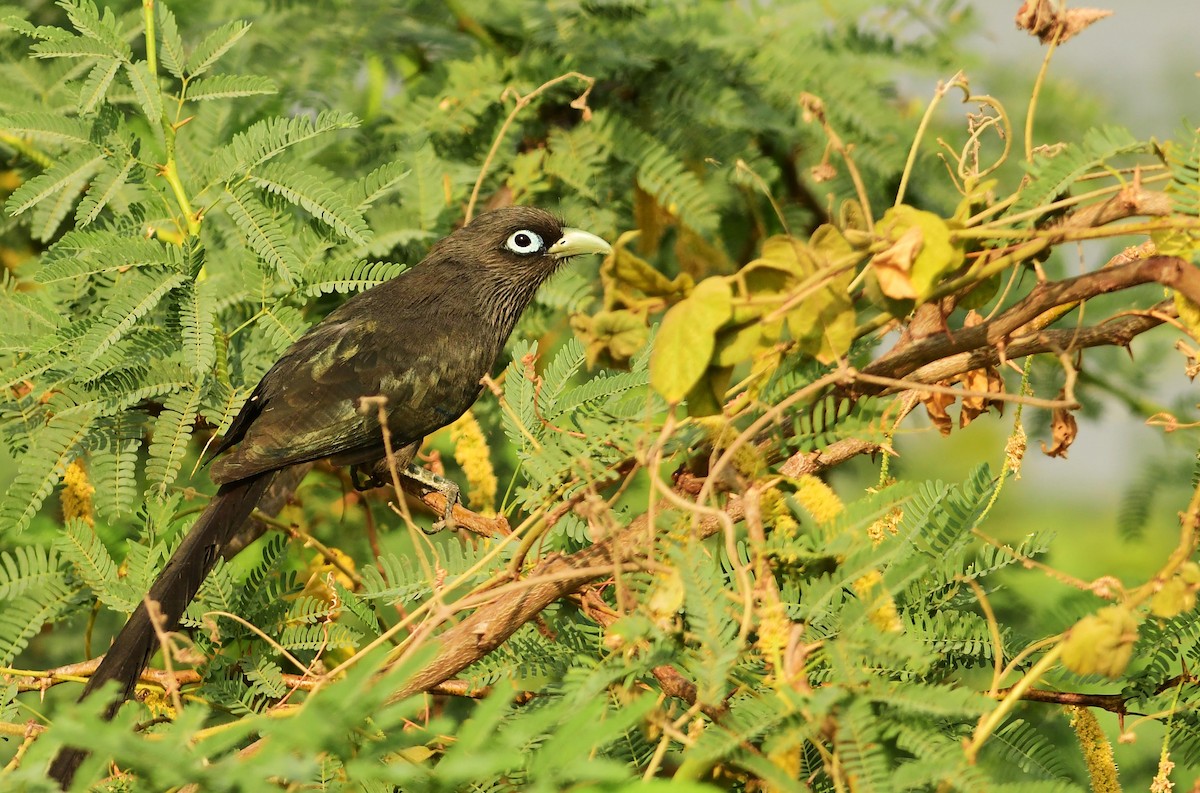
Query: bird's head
[(520, 242)]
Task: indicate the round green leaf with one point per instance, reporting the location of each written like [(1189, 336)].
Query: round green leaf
[(684, 344)]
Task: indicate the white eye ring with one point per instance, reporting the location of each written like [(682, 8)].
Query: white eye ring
[(524, 242)]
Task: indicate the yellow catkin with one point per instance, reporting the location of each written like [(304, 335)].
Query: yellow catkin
[(1014, 450), (1097, 751), (774, 628), (887, 526), (77, 494), (1162, 780), (777, 515), (746, 460), (471, 454), (881, 609), (818, 498)]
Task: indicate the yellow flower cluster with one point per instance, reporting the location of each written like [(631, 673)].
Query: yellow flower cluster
[(1097, 751), (881, 609), (77, 494), (818, 498), (471, 454), (887, 526), (777, 515), (746, 460), (774, 628)]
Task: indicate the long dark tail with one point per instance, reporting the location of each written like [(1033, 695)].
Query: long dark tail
[(173, 590)]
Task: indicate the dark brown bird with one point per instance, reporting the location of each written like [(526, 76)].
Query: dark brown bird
[(423, 340)]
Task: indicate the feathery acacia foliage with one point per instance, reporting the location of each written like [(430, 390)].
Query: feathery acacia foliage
[(189, 191)]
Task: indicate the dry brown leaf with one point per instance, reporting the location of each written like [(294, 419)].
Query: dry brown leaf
[(1064, 429), (1042, 19), (894, 265), (823, 172), (935, 405)]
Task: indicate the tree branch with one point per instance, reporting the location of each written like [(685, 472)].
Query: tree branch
[(996, 334), (557, 576)]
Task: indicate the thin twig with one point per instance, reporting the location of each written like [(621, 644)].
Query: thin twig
[(579, 103)]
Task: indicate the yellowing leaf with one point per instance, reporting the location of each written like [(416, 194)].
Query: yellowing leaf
[(611, 336), (624, 269), (1189, 314), (697, 256), (735, 345), (685, 341), (977, 197), (650, 219), (920, 255), (893, 267), (823, 324), (707, 396), (1175, 242)]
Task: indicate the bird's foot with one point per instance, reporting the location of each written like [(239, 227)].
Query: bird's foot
[(440, 484)]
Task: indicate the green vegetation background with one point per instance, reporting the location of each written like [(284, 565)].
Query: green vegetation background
[(682, 92)]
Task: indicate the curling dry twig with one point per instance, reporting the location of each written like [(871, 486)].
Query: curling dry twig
[(579, 103)]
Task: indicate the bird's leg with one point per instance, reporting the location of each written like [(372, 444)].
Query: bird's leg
[(430, 481), (414, 479)]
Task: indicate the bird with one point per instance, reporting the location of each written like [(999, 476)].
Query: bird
[(423, 340)]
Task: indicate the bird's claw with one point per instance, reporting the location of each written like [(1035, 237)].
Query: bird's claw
[(453, 497)]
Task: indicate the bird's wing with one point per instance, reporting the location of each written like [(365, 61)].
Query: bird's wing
[(308, 407)]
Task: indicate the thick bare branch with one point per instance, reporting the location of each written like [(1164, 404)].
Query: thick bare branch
[(998, 333)]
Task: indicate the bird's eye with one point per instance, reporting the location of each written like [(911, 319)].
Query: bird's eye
[(524, 242)]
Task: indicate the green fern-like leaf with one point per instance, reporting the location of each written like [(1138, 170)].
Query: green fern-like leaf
[(72, 47), (1022, 745), (27, 567), (64, 177), (103, 189), (214, 45), (331, 636), (141, 293), (42, 465), (48, 128), (84, 253), (271, 137), (90, 560), (315, 197), (172, 431), (708, 616), (94, 90), (24, 616), (229, 86), (197, 308), (106, 28), (378, 184), (343, 276), (1051, 175), (114, 464), (171, 55), (149, 95), (265, 234)]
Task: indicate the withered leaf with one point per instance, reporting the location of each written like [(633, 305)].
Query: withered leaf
[(935, 405), (893, 266), (1064, 429), (1048, 22)]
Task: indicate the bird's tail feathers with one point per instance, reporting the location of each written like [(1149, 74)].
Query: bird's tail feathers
[(173, 590)]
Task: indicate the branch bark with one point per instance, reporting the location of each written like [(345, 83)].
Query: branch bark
[(997, 334), (557, 576)]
